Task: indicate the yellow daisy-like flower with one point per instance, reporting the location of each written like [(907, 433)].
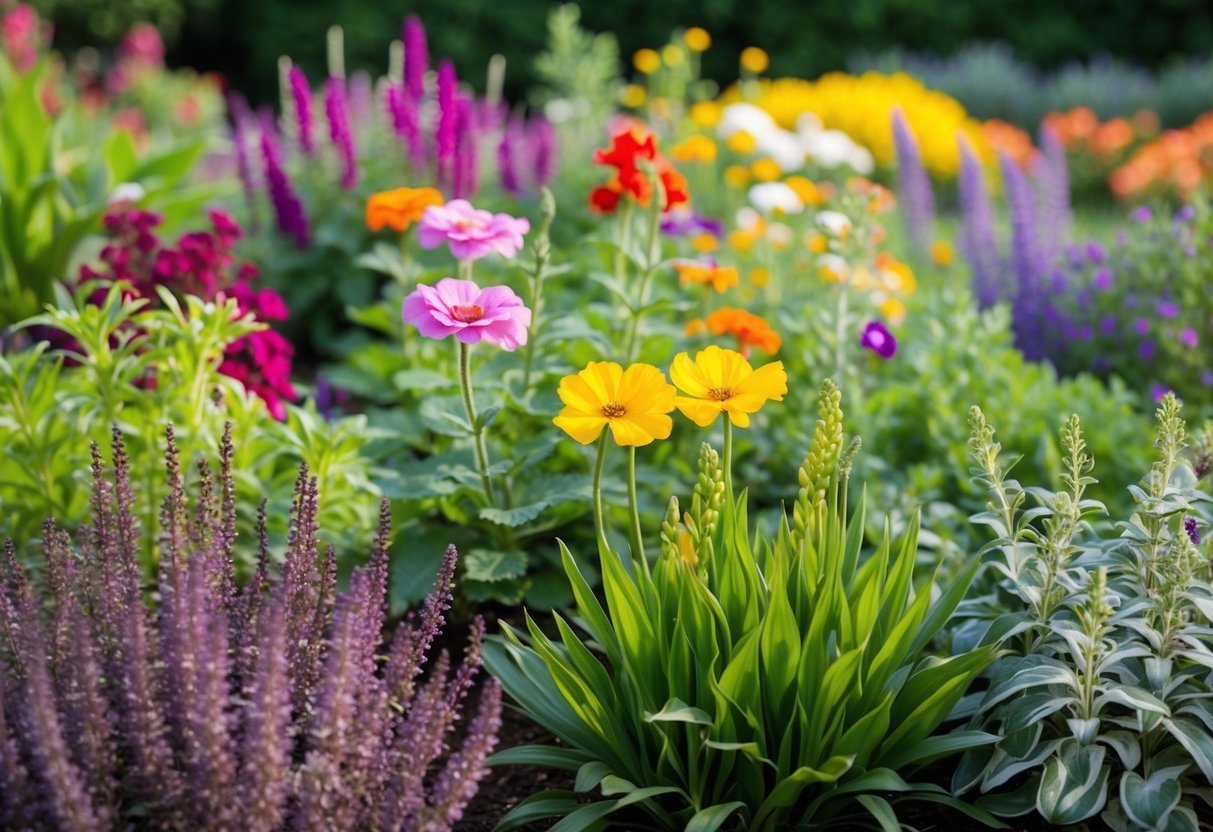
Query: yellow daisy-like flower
[(742, 142), (646, 61), (942, 253), (736, 176), (634, 402), (754, 60), (721, 381), (706, 113), (765, 170), (697, 39), (694, 149)]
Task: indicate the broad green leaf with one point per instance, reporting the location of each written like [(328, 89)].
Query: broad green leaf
[(1148, 803), (713, 817), (1074, 785)]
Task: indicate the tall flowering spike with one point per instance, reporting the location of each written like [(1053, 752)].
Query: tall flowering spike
[(127, 526), (288, 210), (464, 769), (543, 141), (227, 517), (1027, 299), (914, 186), (403, 111), (337, 109), (416, 57), (418, 742), (266, 743), (1051, 175), (465, 163), (15, 808), (507, 157), (978, 239), (411, 646), (242, 120), (448, 119), (301, 97)]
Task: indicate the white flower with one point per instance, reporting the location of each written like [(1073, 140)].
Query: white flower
[(770, 140), (779, 234), (862, 161), (835, 222), (835, 264), (771, 197), (126, 192), (745, 117), (747, 218)]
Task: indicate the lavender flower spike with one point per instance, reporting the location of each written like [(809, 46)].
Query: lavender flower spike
[(1051, 175), (1028, 299), (448, 119), (288, 210), (507, 157), (416, 57), (914, 186), (978, 239), (464, 163), (301, 96), (543, 139), (335, 107)]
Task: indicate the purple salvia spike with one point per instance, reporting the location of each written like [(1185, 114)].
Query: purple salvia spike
[(58, 577), (507, 158), (227, 518), (412, 645), (172, 514), (265, 758), (448, 120), (416, 57), (15, 801), (337, 110), (543, 141), (463, 163), (464, 770), (1027, 302), (978, 239), (86, 713), (202, 529), (465, 675), (914, 186), (247, 611), (403, 111), (1051, 175), (127, 525), (242, 121), (378, 572), (288, 210), (301, 97)]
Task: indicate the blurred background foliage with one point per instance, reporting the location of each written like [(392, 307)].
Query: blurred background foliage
[(242, 38)]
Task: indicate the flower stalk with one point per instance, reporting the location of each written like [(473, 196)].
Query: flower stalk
[(469, 404)]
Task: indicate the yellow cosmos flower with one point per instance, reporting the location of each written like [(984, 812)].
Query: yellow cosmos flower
[(646, 61), (893, 310), (806, 189), (706, 113), (759, 276), (742, 142), (705, 243), (817, 243), (721, 381), (754, 60), (765, 170), (697, 39), (634, 402)]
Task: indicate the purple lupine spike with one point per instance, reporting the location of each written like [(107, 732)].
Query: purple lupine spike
[(403, 111), (242, 121), (1051, 176), (461, 776), (465, 676), (288, 210), (914, 186), (978, 238), (416, 57), (337, 109), (1028, 301), (301, 96), (464, 162), (448, 119), (266, 741), (543, 141), (507, 157)]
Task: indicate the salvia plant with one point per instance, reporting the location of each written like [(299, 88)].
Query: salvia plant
[(1102, 694), (195, 704), (776, 681)]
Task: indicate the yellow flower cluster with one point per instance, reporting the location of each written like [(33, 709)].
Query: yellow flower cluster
[(861, 106)]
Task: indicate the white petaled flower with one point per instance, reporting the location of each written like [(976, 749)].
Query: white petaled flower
[(861, 160), (775, 197), (779, 234), (748, 118), (126, 192), (747, 218), (835, 222), (836, 264)]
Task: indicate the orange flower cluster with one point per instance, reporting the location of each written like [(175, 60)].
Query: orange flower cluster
[(1177, 161), (751, 331), (707, 273), (398, 209), (630, 148), (1004, 136), (1081, 130)]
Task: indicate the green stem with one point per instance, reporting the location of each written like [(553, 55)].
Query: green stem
[(465, 269), (482, 455), (840, 354), (599, 522), (541, 263), (651, 258), (638, 556), (728, 457)]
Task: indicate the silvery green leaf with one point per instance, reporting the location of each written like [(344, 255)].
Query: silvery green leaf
[(1084, 730), (1002, 767), (1074, 785), (1132, 697), (1126, 746), (1196, 739), (1148, 802)]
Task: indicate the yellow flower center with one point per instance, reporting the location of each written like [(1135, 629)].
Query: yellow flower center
[(614, 410), (466, 314), (720, 394)]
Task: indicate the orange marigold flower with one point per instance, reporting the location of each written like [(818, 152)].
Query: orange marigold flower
[(399, 208), (749, 329), (707, 273)]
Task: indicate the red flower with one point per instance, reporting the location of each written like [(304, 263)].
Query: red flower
[(630, 148)]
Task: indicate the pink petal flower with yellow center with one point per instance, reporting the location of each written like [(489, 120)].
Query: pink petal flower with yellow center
[(471, 233), (461, 308), (722, 381)]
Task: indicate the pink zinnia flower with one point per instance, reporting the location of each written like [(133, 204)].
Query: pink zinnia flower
[(471, 314), (470, 232)]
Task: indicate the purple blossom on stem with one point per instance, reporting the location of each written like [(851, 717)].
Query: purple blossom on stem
[(464, 163), (288, 210), (336, 108), (1029, 301), (1192, 530), (978, 239), (542, 138), (447, 129), (416, 57), (507, 157), (301, 96), (242, 120), (877, 338), (1051, 176), (913, 185), (403, 111)]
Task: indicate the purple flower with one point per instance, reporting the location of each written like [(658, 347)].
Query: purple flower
[(448, 117), (1146, 351), (978, 239), (877, 338), (1052, 178), (1141, 326), (1193, 531), (1096, 253), (683, 222), (416, 57), (1206, 378), (339, 130), (543, 142), (1141, 214), (1159, 391), (1168, 309), (913, 185), (1102, 279), (464, 162), (288, 210), (471, 314), (403, 110), (471, 233), (1030, 302), (1107, 324), (1185, 214), (301, 95), (507, 157), (1187, 337)]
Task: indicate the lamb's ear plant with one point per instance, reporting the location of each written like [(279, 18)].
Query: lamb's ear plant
[(203, 705), (747, 678), (1102, 695)]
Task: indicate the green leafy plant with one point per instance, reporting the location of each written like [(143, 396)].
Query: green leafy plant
[(1102, 699), (772, 679)]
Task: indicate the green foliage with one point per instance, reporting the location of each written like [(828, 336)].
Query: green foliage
[(742, 676), (1103, 694), (138, 369)]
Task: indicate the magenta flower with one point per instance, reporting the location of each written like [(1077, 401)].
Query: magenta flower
[(471, 314), (470, 232), (877, 338)]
